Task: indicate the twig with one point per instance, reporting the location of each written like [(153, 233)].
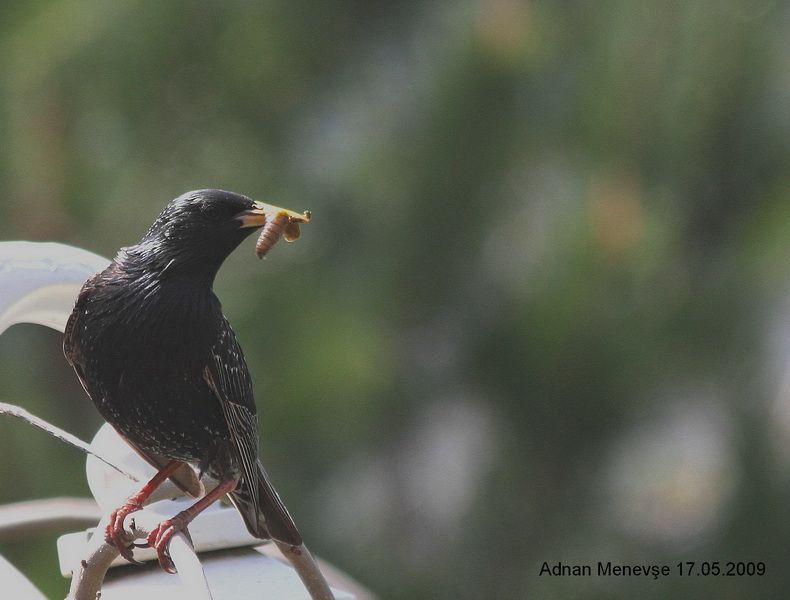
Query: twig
[(334, 576), (87, 578), (305, 566), (56, 432)]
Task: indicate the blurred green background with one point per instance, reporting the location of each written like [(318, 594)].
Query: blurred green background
[(542, 312)]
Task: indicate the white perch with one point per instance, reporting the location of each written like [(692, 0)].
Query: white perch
[(39, 281)]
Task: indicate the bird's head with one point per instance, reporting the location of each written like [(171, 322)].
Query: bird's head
[(197, 231)]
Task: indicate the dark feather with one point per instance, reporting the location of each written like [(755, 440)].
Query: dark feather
[(255, 498)]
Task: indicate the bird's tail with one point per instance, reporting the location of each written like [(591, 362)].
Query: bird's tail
[(263, 512)]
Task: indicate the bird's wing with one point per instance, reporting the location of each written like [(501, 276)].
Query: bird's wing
[(227, 376)]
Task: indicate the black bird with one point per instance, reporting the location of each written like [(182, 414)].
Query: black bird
[(148, 340)]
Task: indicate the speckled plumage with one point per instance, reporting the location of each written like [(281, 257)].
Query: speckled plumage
[(151, 346)]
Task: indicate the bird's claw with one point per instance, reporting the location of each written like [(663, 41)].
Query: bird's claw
[(159, 539), (126, 552), (117, 536)]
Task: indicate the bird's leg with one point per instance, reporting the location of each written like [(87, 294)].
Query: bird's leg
[(115, 533), (159, 538)]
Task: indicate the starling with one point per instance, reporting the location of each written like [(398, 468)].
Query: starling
[(150, 345)]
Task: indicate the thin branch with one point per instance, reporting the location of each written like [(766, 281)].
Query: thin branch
[(334, 576), (305, 566), (56, 432), (87, 578)]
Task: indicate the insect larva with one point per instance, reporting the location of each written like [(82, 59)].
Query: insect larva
[(270, 234), (282, 224)]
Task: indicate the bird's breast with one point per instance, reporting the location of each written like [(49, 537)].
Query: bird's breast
[(142, 350), (163, 328)]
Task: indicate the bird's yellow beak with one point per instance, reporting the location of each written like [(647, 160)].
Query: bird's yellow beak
[(263, 213)]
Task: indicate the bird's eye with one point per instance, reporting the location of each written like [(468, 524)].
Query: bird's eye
[(212, 211)]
